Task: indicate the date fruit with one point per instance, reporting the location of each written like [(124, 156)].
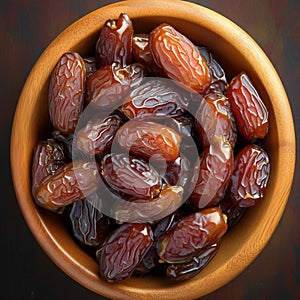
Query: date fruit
[(214, 118), (123, 250), (149, 210), (179, 58), (73, 182), (114, 44), (249, 110), (155, 97), (250, 176), (212, 176), (66, 92), (108, 85), (191, 235), (130, 175), (147, 139)]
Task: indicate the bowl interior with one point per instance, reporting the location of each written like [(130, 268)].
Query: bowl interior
[(235, 51)]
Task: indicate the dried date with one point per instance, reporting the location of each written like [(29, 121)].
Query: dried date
[(123, 250), (248, 108), (179, 58), (250, 176), (73, 182), (108, 85), (90, 65), (155, 97), (131, 175), (212, 175), (214, 118), (114, 44), (189, 269), (66, 92), (191, 235), (147, 139)]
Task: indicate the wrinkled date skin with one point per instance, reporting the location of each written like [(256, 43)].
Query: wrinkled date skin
[(218, 76), (250, 176), (179, 58), (249, 110), (48, 157), (89, 226), (131, 175), (73, 182), (147, 139), (155, 97), (212, 176), (142, 54), (189, 269), (191, 235), (123, 250), (214, 118), (98, 134), (66, 92), (149, 210), (114, 44), (107, 86)]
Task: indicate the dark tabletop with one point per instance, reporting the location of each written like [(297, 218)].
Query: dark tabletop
[(26, 28)]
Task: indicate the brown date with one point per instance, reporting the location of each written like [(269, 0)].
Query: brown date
[(142, 54), (149, 210), (107, 86), (75, 181), (66, 92), (218, 76), (48, 157), (189, 269), (179, 58), (155, 97), (250, 176), (90, 65), (123, 250), (214, 118), (89, 226), (114, 44), (248, 108), (147, 139), (98, 134), (212, 175), (130, 175), (191, 235)]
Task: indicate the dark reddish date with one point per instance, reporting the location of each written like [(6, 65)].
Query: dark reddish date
[(189, 269), (89, 226), (123, 250), (48, 157), (147, 139), (98, 134), (90, 65), (131, 175), (155, 97), (149, 210), (218, 76), (142, 54), (66, 92), (212, 175), (214, 118), (191, 235), (250, 176), (114, 44), (179, 58), (73, 182), (249, 110), (108, 85)]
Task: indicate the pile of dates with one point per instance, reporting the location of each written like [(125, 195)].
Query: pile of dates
[(153, 156)]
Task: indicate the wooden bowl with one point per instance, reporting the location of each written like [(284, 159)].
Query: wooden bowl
[(236, 51)]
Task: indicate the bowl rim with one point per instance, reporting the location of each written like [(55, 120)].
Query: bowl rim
[(193, 288)]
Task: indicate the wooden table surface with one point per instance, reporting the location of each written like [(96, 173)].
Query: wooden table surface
[(26, 28)]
